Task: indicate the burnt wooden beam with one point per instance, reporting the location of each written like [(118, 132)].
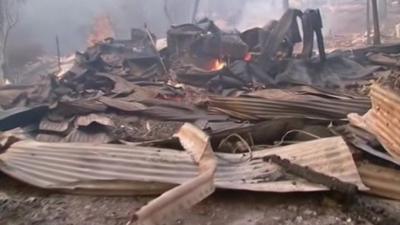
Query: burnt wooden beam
[(313, 176)]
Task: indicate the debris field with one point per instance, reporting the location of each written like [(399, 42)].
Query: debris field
[(267, 110)]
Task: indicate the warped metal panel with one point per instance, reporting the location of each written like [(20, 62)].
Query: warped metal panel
[(87, 120), (382, 181), (59, 127), (21, 116), (197, 143), (384, 118), (262, 108), (120, 169)]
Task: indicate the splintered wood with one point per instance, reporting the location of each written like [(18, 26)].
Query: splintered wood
[(184, 196)]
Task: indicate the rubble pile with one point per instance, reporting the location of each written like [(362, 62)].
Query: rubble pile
[(251, 108)]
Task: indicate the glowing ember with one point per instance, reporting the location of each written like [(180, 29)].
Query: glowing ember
[(218, 65), (248, 57)]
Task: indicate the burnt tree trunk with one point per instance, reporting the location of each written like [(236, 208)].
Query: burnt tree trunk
[(375, 15)]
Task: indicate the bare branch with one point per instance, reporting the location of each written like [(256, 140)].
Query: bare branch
[(9, 17)]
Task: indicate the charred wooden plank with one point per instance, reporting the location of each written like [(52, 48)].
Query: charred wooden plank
[(313, 176)]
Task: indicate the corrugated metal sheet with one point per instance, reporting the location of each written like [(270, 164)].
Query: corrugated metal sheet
[(122, 105), (49, 137), (382, 181), (359, 137), (87, 120), (260, 108), (21, 116), (184, 196), (94, 136), (163, 111), (60, 127), (121, 169), (384, 118)]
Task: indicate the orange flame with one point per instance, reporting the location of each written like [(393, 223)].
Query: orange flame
[(218, 65), (102, 29)]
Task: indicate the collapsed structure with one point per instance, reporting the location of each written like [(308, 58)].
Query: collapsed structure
[(116, 119)]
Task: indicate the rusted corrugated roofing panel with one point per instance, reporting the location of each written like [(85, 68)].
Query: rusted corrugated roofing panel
[(384, 118), (382, 181), (87, 120), (91, 168), (60, 127), (260, 108), (122, 105), (184, 196), (97, 136), (49, 137)]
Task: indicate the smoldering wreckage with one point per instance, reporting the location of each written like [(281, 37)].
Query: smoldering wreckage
[(209, 109)]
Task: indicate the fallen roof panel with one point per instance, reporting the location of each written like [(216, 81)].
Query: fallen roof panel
[(121, 169), (261, 108)]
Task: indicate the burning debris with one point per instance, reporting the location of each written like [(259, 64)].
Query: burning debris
[(102, 30), (255, 101)]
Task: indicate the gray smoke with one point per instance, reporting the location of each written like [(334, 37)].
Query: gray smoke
[(72, 20)]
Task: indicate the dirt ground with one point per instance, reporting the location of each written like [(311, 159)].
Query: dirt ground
[(24, 205)]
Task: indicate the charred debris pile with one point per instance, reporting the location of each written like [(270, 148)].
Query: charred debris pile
[(257, 110)]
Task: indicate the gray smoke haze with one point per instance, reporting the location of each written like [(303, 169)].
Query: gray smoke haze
[(72, 20)]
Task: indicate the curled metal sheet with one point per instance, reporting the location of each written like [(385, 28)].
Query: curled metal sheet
[(121, 169)]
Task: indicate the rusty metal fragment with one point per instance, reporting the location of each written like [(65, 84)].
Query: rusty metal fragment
[(59, 127), (190, 192), (383, 119), (84, 121), (94, 135), (122, 105), (254, 108), (382, 181), (95, 168)]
